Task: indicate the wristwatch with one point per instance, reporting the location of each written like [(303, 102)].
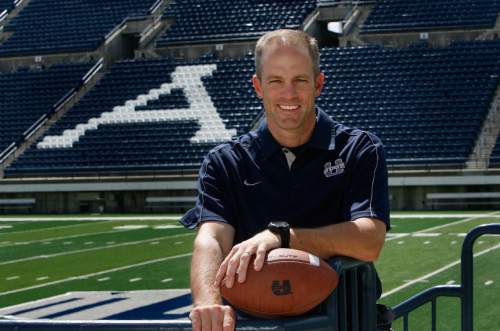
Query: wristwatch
[(282, 229)]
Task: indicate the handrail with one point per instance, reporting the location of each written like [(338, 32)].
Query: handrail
[(463, 291), (62, 101), (356, 271), (93, 71), (40, 121)]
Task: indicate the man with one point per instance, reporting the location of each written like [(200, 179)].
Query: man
[(301, 181)]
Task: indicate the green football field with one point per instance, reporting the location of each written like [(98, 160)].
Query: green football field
[(46, 256)]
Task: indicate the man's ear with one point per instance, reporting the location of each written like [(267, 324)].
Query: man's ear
[(257, 86), (320, 81)]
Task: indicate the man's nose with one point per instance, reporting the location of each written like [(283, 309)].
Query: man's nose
[(289, 91)]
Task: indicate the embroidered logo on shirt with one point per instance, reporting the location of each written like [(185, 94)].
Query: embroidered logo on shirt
[(334, 170), (247, 183)]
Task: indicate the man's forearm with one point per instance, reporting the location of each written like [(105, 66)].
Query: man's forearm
[(207, 256), (361, 239)]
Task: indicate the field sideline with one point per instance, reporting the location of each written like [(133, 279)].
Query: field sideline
[(43, 256)]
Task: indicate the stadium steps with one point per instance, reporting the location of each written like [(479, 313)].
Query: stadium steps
[(156, 28), (89, 85), (485, 143)]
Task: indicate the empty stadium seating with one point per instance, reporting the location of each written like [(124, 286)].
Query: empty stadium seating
[(401, 15), (29, 94), (161, 121), (52, 26), (6, 5), (215, 20), (427, 105), (495, 155)]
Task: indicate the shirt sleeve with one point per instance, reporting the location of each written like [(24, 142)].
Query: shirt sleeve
[(368, 194), (212, 201)]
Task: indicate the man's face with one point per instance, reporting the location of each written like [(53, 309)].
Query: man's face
[(288, 89)]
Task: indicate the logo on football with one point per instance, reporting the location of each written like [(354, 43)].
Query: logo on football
[(291, 283)]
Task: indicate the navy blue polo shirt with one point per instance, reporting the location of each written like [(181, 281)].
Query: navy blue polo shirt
[(339, 175)]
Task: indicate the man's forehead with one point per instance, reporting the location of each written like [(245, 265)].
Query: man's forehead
[(278, 66)]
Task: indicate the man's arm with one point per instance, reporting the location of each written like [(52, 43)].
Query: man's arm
[(213, 242), (361, 239)]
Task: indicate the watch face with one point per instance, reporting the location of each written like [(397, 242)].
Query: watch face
[(279, 225)]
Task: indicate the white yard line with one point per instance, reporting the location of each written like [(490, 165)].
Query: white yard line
[(41, 230), (90, 218), (61, 238), (95, 248), (429, 275), (438, 215), (492, 214), (96, 274)]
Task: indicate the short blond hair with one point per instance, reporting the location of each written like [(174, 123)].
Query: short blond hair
[(287, 37)]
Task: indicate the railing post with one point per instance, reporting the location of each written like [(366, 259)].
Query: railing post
[(468, 272)]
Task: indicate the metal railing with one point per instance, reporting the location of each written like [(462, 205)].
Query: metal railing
[(464, 291), (355, 277)]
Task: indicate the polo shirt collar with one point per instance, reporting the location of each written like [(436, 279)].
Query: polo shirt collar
[(323, 136)]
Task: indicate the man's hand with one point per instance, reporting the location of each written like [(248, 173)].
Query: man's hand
[(236, 262), (213, 318)]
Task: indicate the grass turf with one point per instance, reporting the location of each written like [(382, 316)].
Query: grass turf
[(42, 259)]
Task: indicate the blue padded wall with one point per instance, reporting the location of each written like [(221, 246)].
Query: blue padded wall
[(211, 20), (52, 26), (401, 15), (29, 94)]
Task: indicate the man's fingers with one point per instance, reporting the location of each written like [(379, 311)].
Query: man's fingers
[(229, 319), (217, 318), (220, 273), (194, 316), (206, 320), (242, 268), (260, 257)]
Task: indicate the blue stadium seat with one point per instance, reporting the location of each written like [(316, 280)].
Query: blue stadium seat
[(426, 104), (208, 21), (402, 15), (495, 155), (56, 26), (28, 94)]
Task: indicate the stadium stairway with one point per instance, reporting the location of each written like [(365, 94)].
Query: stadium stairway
[(483, 152)]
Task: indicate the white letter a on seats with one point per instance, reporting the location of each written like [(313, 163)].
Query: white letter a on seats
[(201, 109)]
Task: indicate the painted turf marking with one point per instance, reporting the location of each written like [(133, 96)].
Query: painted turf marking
[(46, 241), (429, 275), (488, 282), (133, 280), (94, 248), (44, 229), (12, 278), (103, 279), (95, 218), (492, 214), (166, 280), (96, 273), (131, 227)]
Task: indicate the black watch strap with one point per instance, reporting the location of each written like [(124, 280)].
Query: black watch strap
[(283, 230)]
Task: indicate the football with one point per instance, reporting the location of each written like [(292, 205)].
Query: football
[(290, 283)]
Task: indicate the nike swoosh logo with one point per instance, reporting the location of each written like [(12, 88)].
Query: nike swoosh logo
[(247, 183)]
